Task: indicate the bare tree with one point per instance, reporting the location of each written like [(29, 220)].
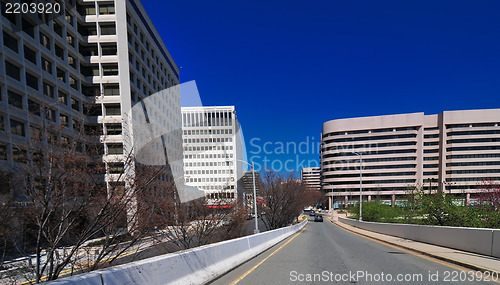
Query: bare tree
[(283, 199)]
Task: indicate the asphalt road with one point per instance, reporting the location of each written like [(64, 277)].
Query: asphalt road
[(326, 254)]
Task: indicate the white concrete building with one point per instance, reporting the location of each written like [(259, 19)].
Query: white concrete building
[(453, 151), (311, 178), (107, 52), (212, 148)]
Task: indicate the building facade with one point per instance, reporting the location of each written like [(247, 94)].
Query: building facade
[(212, 148), (88, 65), (453, 151), (247, 182), (311, 178)]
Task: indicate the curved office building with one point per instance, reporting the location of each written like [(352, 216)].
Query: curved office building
[(454, 151)]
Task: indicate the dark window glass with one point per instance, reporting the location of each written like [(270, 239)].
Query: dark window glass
[(109, 49), (88, 50), (15, 99), (30, 54), (109, 69), (111, 89), (11, 16), (71, 40), (9, 41), (12, 71), (106, 9), (31, 81), (63, 120), (61, 75), (3, 151), (91, 90), (116, 167), (75, 104), (63, 98), (114, 129), (115, 148), (46, 65), (45, 41), (113, 110), (57, 28), (59, 52), (93, 110), (33, 107), (72, 61), (17, 128), (48, 90), (28, 28), (108, 29), (73, 83), (19, 155)]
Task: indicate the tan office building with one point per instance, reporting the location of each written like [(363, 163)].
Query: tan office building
[(453, 151)]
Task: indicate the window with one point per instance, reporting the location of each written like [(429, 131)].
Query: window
[(33, 107), (93, 110), (31, 81), (11, 16), (72, 61), (116, 167), (48, 90), (17, 128), (92, 91), (59, 52), (44, 41), (30, 54), (46, 65), (115, 148), (61, 75), (57, 28), (75, 104), (69, 18), (113, 110), (111, 89), (3, 151), (114, 129), (15, 99), (109, 69), (108, 29), (71, 40), (106, 9), (86, 10), (63, 98), (51, 115), (12, 71), (28, 28), (63, 120), (73, 83), (76, 125), (109, 49), (88, 50), (87, 29), (19, 155), (10, 42)]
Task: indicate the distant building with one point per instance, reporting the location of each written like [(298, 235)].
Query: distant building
[(311, 178), (247, 184), (212, 147), (452, 151)]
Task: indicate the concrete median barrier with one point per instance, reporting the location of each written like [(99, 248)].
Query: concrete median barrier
[(477, 240), (193, 266)]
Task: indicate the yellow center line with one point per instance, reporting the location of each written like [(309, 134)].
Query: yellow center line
[(274, 252)]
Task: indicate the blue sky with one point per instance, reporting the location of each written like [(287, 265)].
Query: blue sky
[(289, 66)]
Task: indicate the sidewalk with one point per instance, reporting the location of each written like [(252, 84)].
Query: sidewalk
[(466, 259)]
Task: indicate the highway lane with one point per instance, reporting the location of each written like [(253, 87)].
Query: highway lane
[(324, 253)]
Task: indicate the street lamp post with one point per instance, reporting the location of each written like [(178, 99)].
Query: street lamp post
[(256, 230)]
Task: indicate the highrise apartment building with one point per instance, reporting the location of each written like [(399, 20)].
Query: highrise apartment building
[(212, 150), (104, 54), (311, 178), (453, 151)]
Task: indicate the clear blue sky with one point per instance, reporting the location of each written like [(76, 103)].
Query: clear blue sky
[(289, 66)]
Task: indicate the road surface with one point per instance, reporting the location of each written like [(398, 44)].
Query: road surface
[(326, 254)]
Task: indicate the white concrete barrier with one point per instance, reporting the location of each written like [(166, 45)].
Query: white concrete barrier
[(477, 240), (193, 266)]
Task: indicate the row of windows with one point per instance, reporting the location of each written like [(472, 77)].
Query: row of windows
[(208, 140), (482, 155), (369, 167), (373, 138), (466, 148), (208, 119), (375, 152), (477, 163), (209, 163), (391, 181), (472, 133), (220, 195), (205, 156), (207, 179), (472, 179), (473, 140), (208, 132), (210, 171), (480, 125), (371, 145), (375, 160), (371, 131), (472, 171), (370, 175)]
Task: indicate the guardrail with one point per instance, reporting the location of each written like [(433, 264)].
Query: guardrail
[(477, 240), (194, 266)]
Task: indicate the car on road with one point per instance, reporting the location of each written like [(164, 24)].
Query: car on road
[(318, 218), (312, 214)]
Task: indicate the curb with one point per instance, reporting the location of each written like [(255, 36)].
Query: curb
[(453, 261)]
